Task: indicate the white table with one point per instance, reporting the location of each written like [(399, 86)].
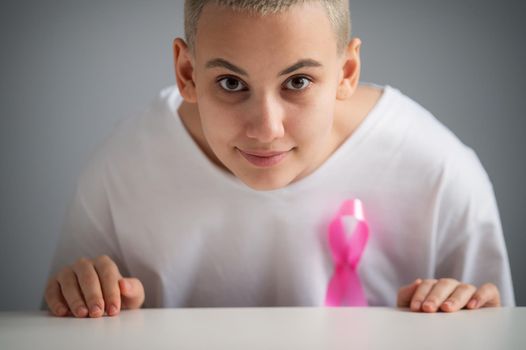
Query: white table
[(269, 328)]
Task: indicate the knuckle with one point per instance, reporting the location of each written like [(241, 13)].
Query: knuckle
[(70, 291), (420, 296), (479, 293), (430, 281), (112, 298), (56, 306), (112, 292), (488, 289), (108, 274), (464, 287), (50, 301), (489, 286), (89, 280), (50, 295), (64, 273), (77, 304), (50, 288), (103, 259), (447, 281), (432, 299), (82, 262), (96, 300), (106, 268), (68, 283)]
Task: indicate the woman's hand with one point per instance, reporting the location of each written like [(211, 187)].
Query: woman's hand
[(446, 294), (88, 288)]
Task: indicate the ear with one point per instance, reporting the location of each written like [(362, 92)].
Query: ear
[(184, 70), (350, 71)]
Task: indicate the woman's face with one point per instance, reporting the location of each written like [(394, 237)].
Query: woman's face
[(266, 91)]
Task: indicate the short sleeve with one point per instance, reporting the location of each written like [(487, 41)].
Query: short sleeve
[(470, 242)]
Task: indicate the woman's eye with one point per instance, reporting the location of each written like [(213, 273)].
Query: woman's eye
[(230, 84), (298, 83)]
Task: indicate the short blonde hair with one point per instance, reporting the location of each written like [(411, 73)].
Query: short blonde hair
[(337, 11)]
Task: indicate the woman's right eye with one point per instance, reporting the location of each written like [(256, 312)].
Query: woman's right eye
[(230, 84)]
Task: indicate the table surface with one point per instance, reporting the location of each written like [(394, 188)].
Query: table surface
[(269, 328)]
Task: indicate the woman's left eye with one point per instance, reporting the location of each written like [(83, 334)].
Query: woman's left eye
[(298, 83)]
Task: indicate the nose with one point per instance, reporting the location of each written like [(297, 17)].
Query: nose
[(265, 120)]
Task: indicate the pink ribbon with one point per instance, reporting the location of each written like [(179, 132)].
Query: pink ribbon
[(345, 288)]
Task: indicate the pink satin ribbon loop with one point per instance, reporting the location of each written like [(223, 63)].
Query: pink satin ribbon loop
[(345, 287)]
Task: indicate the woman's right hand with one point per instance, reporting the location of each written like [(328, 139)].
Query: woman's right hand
[(92, 287)]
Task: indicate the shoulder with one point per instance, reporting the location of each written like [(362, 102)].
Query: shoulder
[(148, 123), (426, 153), (423, 140), (460, 178), (145, 127), (135, 138)]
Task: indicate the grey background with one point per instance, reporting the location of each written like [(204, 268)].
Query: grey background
[(70, 69)]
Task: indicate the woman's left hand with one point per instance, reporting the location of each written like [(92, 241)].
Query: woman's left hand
[(446, 294)]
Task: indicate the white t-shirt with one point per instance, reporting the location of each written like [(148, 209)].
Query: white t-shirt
[(197, 236)]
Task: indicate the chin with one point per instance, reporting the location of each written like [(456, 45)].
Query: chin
[(265, 183)]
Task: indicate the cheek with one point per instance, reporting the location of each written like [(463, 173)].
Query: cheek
[(311, 126), (218, 123)]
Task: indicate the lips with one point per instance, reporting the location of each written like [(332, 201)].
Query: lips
[(264, 158)]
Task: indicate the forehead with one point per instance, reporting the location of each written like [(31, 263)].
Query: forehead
[(298, 32)]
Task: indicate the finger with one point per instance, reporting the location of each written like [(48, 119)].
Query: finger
[(109, 275), (459, 298), (132, 292), (439, 293), (486, 296), (71, 292), (90, 286), (54, 298), (406, 293), (421, 293)]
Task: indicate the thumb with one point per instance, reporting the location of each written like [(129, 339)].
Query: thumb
[(405, 294), (132, 293)]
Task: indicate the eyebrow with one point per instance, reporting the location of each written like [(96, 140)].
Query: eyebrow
[(220, 62), (307, 62)]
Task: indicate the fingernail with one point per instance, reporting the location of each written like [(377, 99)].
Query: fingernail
[(415, 305), (472, 304), (82, 311), (113, 310), (126, 286), (448, 305), (429, 305), (95, 309), (61, 310)]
